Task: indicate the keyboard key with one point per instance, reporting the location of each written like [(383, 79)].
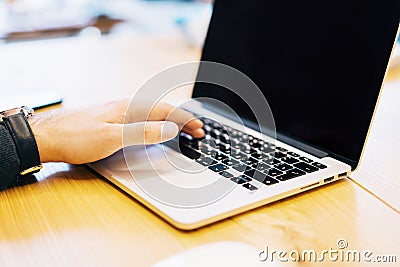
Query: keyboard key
[(255, 144), (240, 133), (273, 172), (218, 167), (230, 162), (241, 179), (228, 128), (209, 152), (268, 159), (206, 121), (258, 155), (278, 155), (206, 137), (217, 126), (254, 150), (226, 148), (206, 142), (219, 156), (253, 173), (261, 177), (290, 175), (236, 145), (242, 139), (215, 133), (217, 142), (319, 165), (234, 133), (286, 176), (224, 138), (235, 141), (271, 161), (283, 166), (269, 181), (190, 153), (305, 167), (204, 145), (262, 166), (307, 160), (239, 156), (240, 167), (249, 161), (244, 145), (226, 174), (290, 153), (185, 139), (275, 161), (207, 128), (296, 172), (289, 160), (245, 148), (281, 149), (266, 149), (206, 161), (250, 187)]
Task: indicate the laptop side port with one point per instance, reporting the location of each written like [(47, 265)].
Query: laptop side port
[(343, 175), (330, 179)]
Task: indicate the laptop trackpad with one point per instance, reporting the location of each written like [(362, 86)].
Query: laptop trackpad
[(157, 162)]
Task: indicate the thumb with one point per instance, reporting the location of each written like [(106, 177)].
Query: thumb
[(152, 132)]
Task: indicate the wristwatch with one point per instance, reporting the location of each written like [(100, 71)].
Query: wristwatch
[(16, 122)]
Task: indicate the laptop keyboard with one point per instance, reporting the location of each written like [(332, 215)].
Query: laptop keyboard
[(241, 157)]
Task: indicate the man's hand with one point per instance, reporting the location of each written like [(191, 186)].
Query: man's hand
[(87, 135)]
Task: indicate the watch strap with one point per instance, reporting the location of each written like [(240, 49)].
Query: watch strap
[(25, 143)]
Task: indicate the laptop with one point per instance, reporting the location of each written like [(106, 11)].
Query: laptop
[(319, 66)]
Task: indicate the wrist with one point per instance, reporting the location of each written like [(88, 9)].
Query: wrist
[(40, 129)]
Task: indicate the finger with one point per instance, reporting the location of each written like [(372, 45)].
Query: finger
[(148, 132), (163, 111), (198, 133), (184, 119), (116, 112), (191, 122)]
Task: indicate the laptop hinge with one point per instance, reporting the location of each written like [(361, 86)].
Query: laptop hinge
[(300, 145)]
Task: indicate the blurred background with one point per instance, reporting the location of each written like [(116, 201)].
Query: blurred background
[(39, 19), (49, 46)]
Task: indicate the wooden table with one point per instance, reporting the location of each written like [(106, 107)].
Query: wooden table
[(73, 217)]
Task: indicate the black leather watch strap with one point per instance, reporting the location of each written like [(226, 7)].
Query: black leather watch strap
[(25, 143)]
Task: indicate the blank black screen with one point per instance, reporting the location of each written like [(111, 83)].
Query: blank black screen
[(320, 64)]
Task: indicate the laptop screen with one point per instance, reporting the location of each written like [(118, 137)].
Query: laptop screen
[(319, 64)]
